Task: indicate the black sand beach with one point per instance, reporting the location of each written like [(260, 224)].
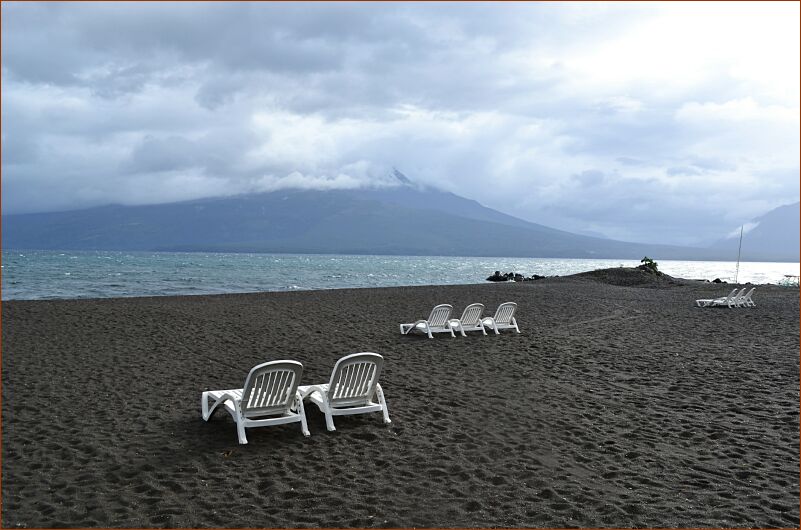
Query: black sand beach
[(620, 404)]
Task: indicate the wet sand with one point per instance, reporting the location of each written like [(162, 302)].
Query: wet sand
[(620, 404)]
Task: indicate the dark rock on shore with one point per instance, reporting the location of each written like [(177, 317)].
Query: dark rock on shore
[(534, 277), (498, 277), (513, 276)]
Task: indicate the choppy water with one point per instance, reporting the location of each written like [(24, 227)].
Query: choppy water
[(37, 274)]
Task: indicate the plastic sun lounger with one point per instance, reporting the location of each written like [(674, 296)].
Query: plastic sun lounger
[(504, 318), (353, 389), (728, 301), (270, 397), (437, 322), (470, 321), (739, 300)]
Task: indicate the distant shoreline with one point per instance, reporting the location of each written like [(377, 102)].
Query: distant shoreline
[(665, 282)]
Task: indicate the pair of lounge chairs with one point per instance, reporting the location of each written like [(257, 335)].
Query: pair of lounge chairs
[(440, 321), (272, 395), (735, 299)]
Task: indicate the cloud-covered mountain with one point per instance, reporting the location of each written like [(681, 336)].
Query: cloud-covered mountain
[(405, 219), (773, 236)]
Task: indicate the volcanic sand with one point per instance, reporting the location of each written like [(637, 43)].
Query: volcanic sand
[(619, 404)]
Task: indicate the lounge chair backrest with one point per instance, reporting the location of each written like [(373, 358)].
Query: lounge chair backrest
[(270, 388), (439, 315), (505, 312), (354, 378), (747, 296), (472, 314)]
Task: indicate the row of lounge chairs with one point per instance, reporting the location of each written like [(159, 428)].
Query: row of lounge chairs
[(272, 394), (735, 299), (440, 321)]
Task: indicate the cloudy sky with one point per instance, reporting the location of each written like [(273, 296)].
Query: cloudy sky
[(666, 123)]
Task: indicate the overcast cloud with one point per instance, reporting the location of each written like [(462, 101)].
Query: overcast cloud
[(669, 123)]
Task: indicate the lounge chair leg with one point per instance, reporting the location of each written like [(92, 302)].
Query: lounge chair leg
[(383, 403), (515, 323), (240, 431), (329, 422), (302, 411), (329, 417), (204, 405)]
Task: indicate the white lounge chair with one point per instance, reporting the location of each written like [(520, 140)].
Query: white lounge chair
[(353, 389), (437, 322), (747, 301), (504, 318), (270, 397), (470, 321), (728, 301)]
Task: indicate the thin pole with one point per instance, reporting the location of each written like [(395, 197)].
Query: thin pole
[(737, 272)]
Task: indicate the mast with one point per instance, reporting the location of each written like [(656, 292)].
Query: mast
[(737, 272)]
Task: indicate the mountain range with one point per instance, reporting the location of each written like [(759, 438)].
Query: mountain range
[(405, 219)]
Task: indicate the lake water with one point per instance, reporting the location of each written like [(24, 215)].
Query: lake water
[(38, 274)]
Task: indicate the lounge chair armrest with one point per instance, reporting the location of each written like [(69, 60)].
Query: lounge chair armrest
[(296, 403), (237, 403), (311, 390), (226, 397), (412, 325)]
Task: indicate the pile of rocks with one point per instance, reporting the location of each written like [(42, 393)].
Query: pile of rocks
[(513, 276)]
